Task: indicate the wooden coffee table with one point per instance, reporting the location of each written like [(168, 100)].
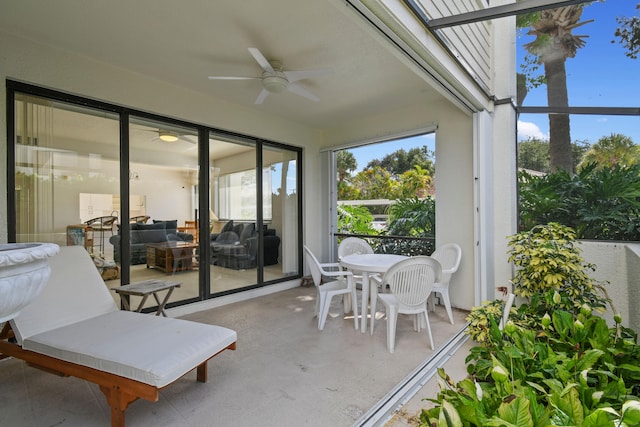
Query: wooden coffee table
[(171, 256)]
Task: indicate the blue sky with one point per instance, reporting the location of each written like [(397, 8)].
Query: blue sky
[(599, 76)]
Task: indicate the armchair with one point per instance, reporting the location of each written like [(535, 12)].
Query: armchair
[(236, 246)]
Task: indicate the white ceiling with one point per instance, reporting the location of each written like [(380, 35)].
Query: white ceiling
[(184, 42)]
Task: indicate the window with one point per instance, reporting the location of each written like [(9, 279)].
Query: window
[(237, 195)]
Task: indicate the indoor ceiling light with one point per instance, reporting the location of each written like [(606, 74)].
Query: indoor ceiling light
[(168, 136)]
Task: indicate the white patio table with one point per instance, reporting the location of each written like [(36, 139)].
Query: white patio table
[(369, 264)]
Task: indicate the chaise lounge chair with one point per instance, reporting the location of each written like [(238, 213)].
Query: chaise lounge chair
[(74, 328)]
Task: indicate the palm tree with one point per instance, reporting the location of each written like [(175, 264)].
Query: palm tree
[(610, 151), (345, 163), (416, 182), (554, 43)]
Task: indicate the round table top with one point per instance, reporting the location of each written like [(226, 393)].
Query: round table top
[(371, 263)]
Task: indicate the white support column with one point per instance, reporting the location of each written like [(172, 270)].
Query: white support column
[(504, 150)]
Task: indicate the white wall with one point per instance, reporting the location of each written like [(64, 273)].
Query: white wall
[(619, 265), (167, 191)]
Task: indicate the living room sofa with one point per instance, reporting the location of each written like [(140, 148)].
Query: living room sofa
[(142, 234), (236, 246)]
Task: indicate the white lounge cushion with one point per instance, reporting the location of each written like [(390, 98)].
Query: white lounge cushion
[(151, 349), (76, 319), (75, 292)]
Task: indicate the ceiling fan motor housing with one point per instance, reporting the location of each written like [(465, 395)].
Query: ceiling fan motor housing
[(275, 82)]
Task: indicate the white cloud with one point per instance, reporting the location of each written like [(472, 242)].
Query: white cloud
[(527, 130)]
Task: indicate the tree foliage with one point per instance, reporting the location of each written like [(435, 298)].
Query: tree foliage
[(533, 154), (416, 182), (613, 150), (345, 164), (347, 191), (401, 174), (401, 161), (355, 220), (375, 183), (628, 34), (413, 217), (602, 204)]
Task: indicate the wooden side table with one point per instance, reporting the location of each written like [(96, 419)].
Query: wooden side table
[(146, 288)]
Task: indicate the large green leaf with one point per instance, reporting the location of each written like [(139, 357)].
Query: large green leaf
[(513, 414), (631, 412), (539, 412), (598, 419), (569, 403), (449, 416), (634, 370), (562, 322), (587, 360)]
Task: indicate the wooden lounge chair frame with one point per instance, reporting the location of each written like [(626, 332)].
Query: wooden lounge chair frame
[(119, 391)]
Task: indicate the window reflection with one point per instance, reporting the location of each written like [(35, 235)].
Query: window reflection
[(65, 176)]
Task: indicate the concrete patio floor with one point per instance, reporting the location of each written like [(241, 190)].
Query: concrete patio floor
[(285, 372)]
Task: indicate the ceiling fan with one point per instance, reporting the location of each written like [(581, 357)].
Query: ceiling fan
[(275, 79), (170, 136)]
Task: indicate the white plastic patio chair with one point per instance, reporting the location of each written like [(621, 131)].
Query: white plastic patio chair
[(342, 285), (352, 246), (410, 282), (449, 256)]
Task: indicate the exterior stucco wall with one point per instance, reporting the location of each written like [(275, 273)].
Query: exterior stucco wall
[(455, 199), (618, 264)]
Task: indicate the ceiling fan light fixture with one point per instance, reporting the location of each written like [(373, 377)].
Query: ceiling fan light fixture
[(167, 136), (275, 84)]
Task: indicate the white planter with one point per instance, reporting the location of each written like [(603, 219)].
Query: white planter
[(24, 271)]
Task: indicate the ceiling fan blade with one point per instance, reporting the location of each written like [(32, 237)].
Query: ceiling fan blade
[(299, 90), (261, 96), (189, 139), (259, 57), (294, 76), (232, 78)]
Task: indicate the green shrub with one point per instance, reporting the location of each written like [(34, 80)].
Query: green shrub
[(355, 220), (601, 204), (556, 362)]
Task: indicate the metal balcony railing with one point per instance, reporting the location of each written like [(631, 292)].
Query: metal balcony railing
[(400, 245)]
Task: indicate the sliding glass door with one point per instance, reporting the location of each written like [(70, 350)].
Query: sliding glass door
[(162, 215), (280, 212), (234, 236), (66, 174), (128, 187)]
